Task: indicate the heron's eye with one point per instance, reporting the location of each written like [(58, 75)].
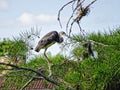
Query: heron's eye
[(63, 33), (41, 40)]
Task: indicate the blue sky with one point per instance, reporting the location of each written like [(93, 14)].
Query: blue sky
[(20, 15)]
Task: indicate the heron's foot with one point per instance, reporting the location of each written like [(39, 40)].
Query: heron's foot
[(50, 74), (49, 68)]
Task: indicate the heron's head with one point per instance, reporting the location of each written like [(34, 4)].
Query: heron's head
[(62, 33)]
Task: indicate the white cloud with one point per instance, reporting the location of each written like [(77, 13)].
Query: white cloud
[(3, 4), (28, 18)]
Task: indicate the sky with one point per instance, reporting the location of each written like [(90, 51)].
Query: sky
[(16, 16)]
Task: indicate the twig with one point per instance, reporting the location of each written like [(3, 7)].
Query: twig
[(31, 79), (90, 4), (7, 69), (99, 43), (74, 9), (80, 12), (27, 84), (82, 31), (59, 12)]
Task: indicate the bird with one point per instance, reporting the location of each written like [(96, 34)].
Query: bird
[(49, 39)]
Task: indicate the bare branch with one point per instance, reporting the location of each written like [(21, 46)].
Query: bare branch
[(27, 84), (7, 69), (30, 80), (90, 4), (77, 14), (59, 12), (98, 43), (32, 70)]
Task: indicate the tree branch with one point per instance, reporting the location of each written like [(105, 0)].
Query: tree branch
[(32, 70), (27, 84), (59, 12), (79, 10)]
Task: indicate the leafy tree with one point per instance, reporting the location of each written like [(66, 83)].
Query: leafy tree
[(13, 48), (4, 46), (17, 48), (92, 73), (102, 73)]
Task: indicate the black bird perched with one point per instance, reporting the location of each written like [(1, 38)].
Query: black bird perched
[(50, 39)]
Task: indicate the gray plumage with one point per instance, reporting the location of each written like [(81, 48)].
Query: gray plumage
[(50, 39)]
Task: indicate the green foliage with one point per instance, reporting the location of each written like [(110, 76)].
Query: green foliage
[(13, 48), (36, 63), (57, 59), (78, 52), (77, 38), (102, 73), (111, 38), (18, 78), (5, 46), (18, 48)]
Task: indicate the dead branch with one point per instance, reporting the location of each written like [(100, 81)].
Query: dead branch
[(38, 75), (27, 84), (32, 70), (77, 14), (30, 80), (59, 12), (32, 77)]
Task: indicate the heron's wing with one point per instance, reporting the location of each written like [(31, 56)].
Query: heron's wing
[(47, 40), (50, 34)]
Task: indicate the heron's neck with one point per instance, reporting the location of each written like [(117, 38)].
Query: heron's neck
[(60, 39)]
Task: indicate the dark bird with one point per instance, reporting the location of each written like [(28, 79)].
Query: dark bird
[(50, 39)]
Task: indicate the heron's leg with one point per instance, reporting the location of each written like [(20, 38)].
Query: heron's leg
[(48, 62)]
